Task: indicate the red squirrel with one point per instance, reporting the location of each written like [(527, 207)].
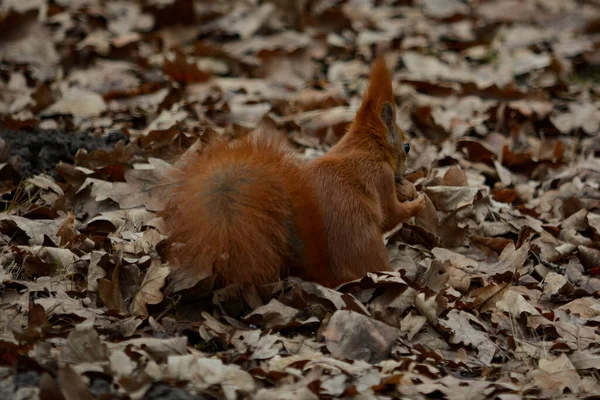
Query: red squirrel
[(250, 212)]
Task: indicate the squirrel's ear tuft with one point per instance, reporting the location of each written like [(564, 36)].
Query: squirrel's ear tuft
[(377, 104), (380, 86)]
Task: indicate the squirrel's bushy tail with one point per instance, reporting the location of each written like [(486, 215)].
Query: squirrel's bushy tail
[(230, 214)]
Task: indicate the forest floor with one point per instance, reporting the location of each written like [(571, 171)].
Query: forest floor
[(496, 288)]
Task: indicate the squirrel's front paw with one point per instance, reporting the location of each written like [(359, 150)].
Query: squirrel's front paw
[(418, 205)]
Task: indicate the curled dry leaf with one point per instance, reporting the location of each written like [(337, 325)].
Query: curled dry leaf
[(72, 385), (515, 304), (150, 289), (271, 315), (450, 198), (353, 336), (110, 292)]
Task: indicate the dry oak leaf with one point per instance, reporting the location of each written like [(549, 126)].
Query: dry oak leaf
[(515, 304), (261, 347), (60, 303), (84, 345), (585, 307), (35, 230), (594, 222), (585, 360), (121, 220), (555, 374), (353, 336), (455, 177), (143, 186), (202, 373), (242, 21), (574, 333), (412, 324), (288, 41), (44, 261), (271, 315), (107, 78), (556, 284), (450, 198), (149, 292), (66, 230), (511, 260), (159, 349), (460, 268), (120, 364), (95, 271), (448, 387), (459, 323)]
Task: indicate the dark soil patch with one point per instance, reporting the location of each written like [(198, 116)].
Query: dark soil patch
[(34, 152)]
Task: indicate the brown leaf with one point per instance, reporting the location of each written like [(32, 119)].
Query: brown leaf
[(84, 345), (72, 386), (143, 187), (149, 292), (589, 257), (584, 360), (184, 71), (49, 388), (66, 231), (455, 177), (110, 292), (459, 268), (203, 373), (557, 374), (459, 323), (271, 315), (450, 198), (510, 261)]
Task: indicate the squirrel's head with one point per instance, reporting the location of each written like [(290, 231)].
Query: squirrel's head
[(377, 116)]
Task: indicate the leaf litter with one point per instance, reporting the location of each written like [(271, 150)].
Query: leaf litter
[(495, 289)]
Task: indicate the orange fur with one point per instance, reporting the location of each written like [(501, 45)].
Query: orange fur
[(249, 212), (239, 212), (357, 177)]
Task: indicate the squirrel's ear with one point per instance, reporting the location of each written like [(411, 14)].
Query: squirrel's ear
[(378, 100), (388, 117)]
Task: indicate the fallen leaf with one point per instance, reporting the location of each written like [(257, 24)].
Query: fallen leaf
[(460, 324), (77, 102), (353, 336), (149, 292)]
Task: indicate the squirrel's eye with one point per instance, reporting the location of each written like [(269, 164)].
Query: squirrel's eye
[(406, 148)]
